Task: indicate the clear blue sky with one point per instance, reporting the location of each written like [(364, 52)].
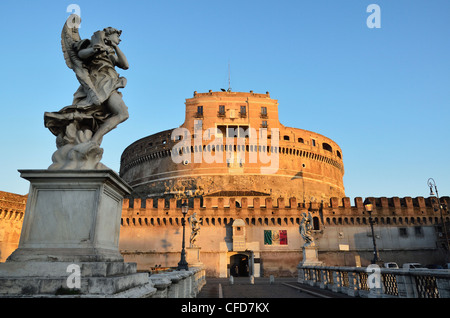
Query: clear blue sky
[(382, 94)]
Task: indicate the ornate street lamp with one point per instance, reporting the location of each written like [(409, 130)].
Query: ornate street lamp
[(431, 183), (368, 206), (182, 264)]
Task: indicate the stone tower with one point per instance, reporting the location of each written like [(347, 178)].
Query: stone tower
[(233, 144)]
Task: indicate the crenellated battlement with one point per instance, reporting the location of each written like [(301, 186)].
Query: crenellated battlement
[(12, 206), (339, 217), (254, 211), (12, 211), (280, 203), (261, 207), (11, 215)]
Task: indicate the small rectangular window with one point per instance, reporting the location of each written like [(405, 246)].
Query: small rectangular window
[(418, 231), (200, 110), (263, 110), (403, 231), (313, 141), (222, 109), (264, 124), (243, 110)]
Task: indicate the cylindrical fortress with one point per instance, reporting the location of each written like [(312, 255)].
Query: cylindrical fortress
[(232, 144)]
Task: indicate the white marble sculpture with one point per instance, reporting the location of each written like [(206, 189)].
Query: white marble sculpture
[(69, 243), (97, 106)]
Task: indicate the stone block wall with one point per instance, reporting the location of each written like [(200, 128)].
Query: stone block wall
[(151, 232), (12, 208)]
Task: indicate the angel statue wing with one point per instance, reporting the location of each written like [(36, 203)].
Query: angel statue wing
[(71, 43)]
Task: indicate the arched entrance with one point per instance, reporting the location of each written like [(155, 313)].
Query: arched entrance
[(239, 266)]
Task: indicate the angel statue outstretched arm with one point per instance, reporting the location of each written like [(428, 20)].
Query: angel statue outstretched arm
[(97, 106)]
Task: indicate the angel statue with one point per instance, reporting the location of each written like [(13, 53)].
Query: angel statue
[(97, 106), (195, 228), (306, 229)]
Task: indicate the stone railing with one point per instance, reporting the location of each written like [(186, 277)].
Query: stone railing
[(378, 282), (178, 284)]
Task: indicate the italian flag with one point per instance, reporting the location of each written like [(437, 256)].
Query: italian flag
[(275, 237)]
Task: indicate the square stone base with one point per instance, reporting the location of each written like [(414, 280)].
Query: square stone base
[(64, 279), (70, 239), (310, 256), (72, 216), (193, 257)]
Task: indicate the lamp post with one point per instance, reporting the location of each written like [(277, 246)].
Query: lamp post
[(182, 264), (431, 183), (368, 206)]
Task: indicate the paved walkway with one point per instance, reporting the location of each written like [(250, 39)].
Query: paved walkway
[(262, 288)]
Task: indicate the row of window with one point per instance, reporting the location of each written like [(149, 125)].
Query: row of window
[(242, 111), (325, 146), (231, 130), (235, 148)]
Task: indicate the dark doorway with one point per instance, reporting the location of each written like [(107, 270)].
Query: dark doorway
[(239, 265)]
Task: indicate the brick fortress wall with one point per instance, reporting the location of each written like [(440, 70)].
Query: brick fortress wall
[(405, 231), (12, 208), (150, 234)]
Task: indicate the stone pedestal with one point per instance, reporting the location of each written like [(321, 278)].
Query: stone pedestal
[(310, 256), (193, 257), (70, 238)]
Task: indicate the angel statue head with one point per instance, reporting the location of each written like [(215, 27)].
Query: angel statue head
[(112, 35), (97, 106)]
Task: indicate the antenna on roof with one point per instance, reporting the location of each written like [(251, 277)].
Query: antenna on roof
[(229, 77)]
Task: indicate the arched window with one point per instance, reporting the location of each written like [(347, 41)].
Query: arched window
[(327, 147), (286, 137)]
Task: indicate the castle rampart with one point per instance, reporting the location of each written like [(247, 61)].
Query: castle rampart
[(392, 211), (12, 208), (406, 230)]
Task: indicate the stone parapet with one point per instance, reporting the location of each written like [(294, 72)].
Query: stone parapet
[(179, 284), (375, 282), (99, 280)]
